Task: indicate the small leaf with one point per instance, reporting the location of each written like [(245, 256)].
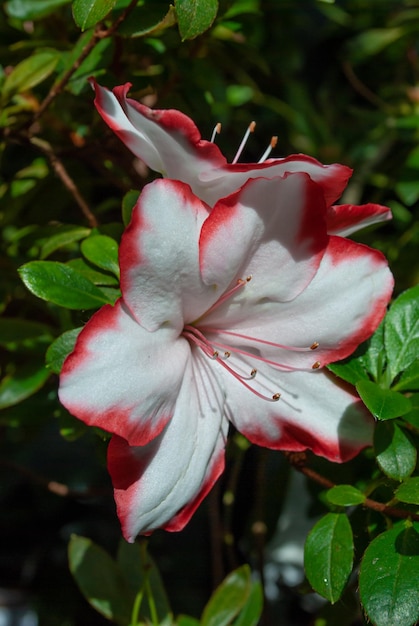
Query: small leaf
[(89, 12), (195, 16), (388, 580), (128, 203), (93, 273), (328, 555), (396, 454), (23, 383), (252, 610), (351, 370), (29, 73), (66, 235), (401, 331), (345, 495), (17, 333), (409, 491), (102, 251), (409, 379), (228, 599), (60, 284), (32, 9), (384, 404), (100, 580), (60, 349)]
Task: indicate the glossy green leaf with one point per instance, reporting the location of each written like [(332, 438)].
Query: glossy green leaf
[(61, 284), (93, 273), (252, 610), (186, 620), (102, 251), (345, 495), (60, 349), (409, 491), (32, 9), (100, 580), (150, 18), (195, 16), (409, 379), (89, 12), (384, 404), (396, 454), (401, 331), (93, 65), (65, 235), (350, 370), (374, 357), (19, 333), (328, 555), (388, 580), (24, 382), (128, 203), (228, 599), (138, 567), (30, 72), (413, 416)]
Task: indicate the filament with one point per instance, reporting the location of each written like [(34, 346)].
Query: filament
[(249, 130)]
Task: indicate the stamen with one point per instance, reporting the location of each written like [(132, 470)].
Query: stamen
[(316, 365), (241, 379), (216, 131), (272, 145), (240, 283), (249, 130), (313, 346)]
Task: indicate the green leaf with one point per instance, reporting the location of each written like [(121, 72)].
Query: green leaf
[(388, 580), (252, 610), (128, 203), (60, 349), (66, 235), (138, 567), (409, 379), (93, 65), (29, 73), (185, 620), (328, 555), (351, 370), (195, 16), (150, 18), (33, 9), (384, 404), (396, 454), (23, 383), (17, 333), (102, 251), (228, 599), (89, 12), (372, 41), (100, 580), (92, 273), (345, 495), (401, 332), (409, 491), (374, 359), (62, 285)]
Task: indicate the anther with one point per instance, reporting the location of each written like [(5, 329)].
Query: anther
[(216, 131), (215, 355), (276, 396), (316, 365), (250, 129), (253, 373), (314, 345), (272, 145), (227, 355)]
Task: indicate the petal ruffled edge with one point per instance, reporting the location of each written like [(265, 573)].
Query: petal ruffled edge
[(344, 219)]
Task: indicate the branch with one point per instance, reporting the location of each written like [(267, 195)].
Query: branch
[(98, 34), (299, 459), (65, 178)]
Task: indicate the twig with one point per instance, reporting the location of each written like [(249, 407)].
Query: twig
[(98, 34), (298, 461), (65, 178)]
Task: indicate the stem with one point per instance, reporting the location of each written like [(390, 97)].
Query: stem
[(299, 459), (136, 608), (65, 178)]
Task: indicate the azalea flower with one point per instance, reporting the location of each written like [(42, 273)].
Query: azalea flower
[(169, 143), (228, 314)]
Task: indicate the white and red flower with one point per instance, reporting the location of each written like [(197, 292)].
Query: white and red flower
[(231, 307)]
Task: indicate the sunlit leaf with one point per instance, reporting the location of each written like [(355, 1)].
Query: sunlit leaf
[(384, 404), (395, 452), (195, 16), (89, 12)]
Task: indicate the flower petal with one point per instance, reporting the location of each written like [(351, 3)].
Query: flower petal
[(170, 143), (161, 485), (344, 219), (316, 411), (122, 378), (340, 308), (272, 230), (159, 257)]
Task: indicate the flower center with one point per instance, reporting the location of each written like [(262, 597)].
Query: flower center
[(220, 351)]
